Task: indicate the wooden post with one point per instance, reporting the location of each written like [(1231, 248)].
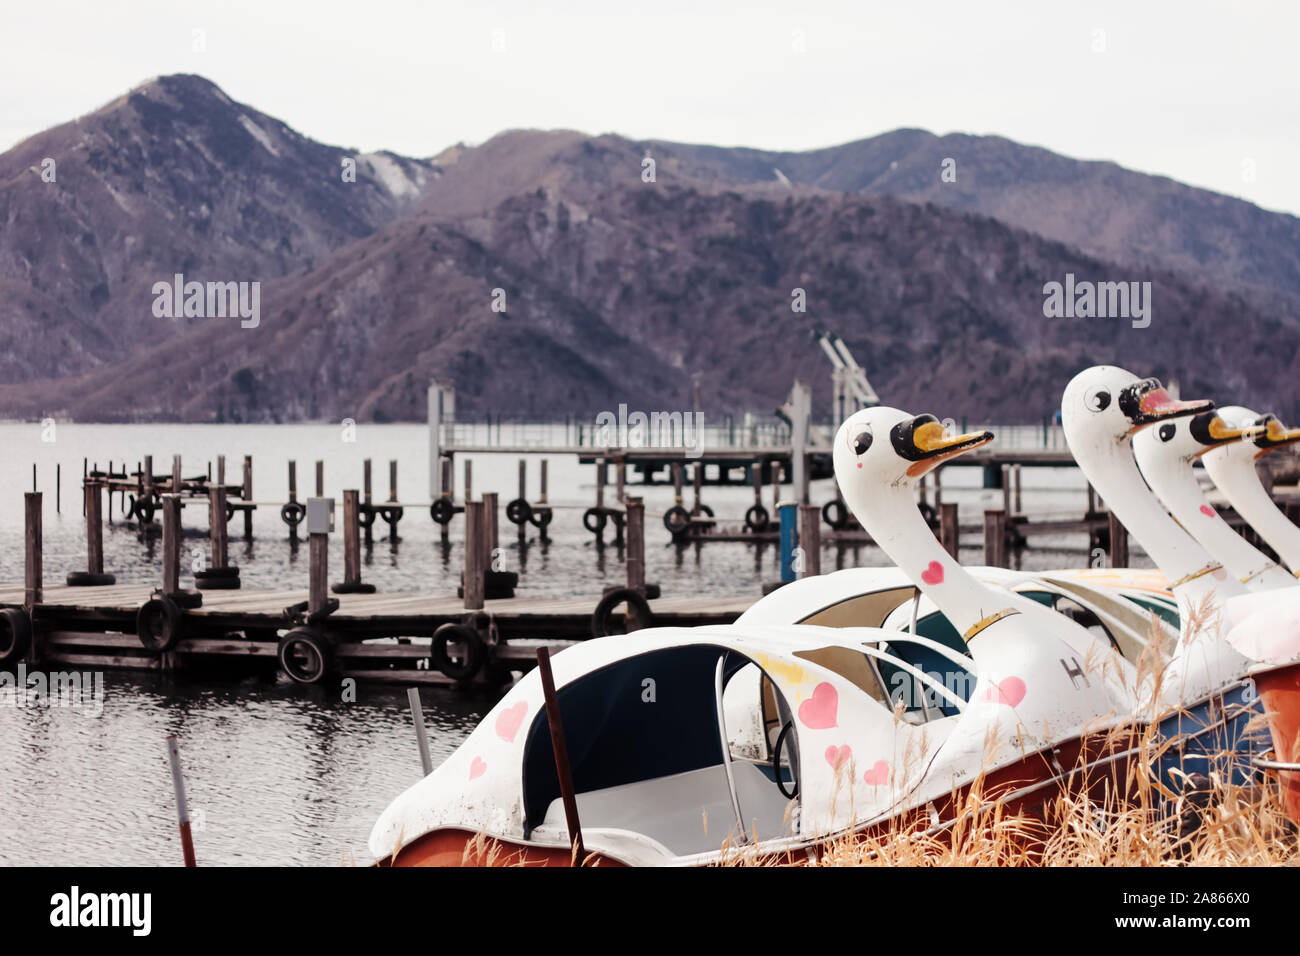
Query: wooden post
[(938, 487), (148, 477), (635, 544), (602, 475), (217, 525), (474, 567), (949, 530), (542, 499), (182, 805), (351, 537), (561, 751), (1118, 542), (491, 539), (34, 544), (995, 538), (448, 479), (620, 477), (248, 496), (469, 475), (58, 488), (368, 497), (171, 509), (1015, 480), (320, 479), (810, 541), (677, 483), (94, 531), (523, 495), (221, 469), (178, 482), (756, 476), (392, 479), (1092, 499), (1006, 489), (697, 483), (293, 481), (318, 556)]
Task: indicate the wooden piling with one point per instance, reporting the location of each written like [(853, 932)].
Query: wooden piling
[(217, 526), (58, 488), (1118, 541), (810, 541), (293, 481), (368, 498), (474, 565), (995, 538), (247, 495), (171, 557), (94, 529), (1006, 490), (697, 483), (33, 540), (392, 479), (318, 556), (635, 543), (1017, 501), (523, 494), (949, 530), (491, 539), (542, 499), (469, 483), (320, 479), (351, 536), (178, 480)]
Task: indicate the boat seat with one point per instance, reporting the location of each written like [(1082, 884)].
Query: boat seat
[(687, 812)]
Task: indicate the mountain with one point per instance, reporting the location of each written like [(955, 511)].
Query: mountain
[(616, 289), (631, 297), (172, 177), (1107, 211)]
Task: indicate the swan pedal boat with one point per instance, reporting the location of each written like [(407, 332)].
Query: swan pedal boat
[(690, 745)]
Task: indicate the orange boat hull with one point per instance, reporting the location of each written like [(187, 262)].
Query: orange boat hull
[(1280, 692)]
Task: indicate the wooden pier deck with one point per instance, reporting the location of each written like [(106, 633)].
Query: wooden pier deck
[(380, 637)]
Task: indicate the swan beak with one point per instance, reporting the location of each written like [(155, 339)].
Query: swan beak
[(926, 443), (1271, 433), (1212, 431), (1147, 402)]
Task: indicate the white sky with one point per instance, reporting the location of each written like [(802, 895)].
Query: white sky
[(1208, 93)]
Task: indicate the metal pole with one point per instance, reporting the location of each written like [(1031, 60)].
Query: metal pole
[(182, 805), (421, 737)]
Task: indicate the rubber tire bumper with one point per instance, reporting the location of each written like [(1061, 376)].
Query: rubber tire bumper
[(636, 604), (757, 519), (474, 654), (158, 624), (84, 579), (305, 656), (15, 635)]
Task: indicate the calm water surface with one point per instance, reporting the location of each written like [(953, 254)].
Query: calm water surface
[(279, 774)]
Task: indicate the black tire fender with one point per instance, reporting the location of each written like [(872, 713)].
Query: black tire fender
[(637, 607)]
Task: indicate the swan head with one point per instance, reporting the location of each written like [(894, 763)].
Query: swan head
[(1106, 403), (885, 446), (1190, 438), (1270, 433)]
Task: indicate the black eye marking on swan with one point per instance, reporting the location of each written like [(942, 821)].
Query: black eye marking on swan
[(1167, 431), (862, 442), (1097, 401)]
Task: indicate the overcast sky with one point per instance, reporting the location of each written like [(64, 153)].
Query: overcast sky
[(1208, 93)]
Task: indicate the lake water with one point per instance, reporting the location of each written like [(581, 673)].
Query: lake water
[(277, 773)]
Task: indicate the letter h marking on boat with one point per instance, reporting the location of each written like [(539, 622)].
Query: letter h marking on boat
[(1075, 673)]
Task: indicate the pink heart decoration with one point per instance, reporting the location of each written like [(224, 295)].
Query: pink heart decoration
[(1207, 511), (933, 574), (510, 720), (477, 768), (835, 756), (818, 711), (1010, 691), (878, 774)]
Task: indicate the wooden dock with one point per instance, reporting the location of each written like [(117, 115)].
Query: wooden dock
[(379, 637)]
